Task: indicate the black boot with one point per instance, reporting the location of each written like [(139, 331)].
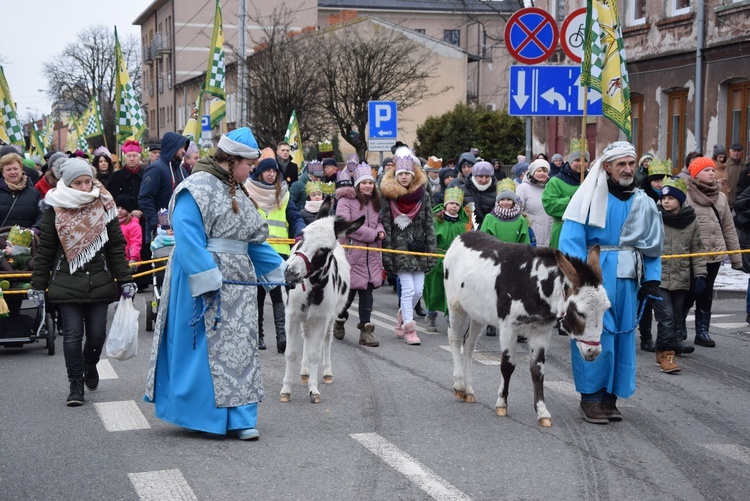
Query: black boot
[(76, 393), (702, 323), (647, 344), (418, 310), (681, 347), (261, 343), (91, 376), (279, 320)]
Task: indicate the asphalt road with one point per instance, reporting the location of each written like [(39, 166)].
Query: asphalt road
[(388, 428)]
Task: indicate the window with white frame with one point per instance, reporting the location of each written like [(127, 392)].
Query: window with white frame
[(678, 7), (636, 12)]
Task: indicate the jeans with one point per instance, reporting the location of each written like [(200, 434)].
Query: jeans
[(365, 304), (77, 319), (669, 320), (412, 283), (598, 397)]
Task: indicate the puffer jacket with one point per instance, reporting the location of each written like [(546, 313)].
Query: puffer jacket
[(742, 221), (366, 266), (92, 283), (717, 234), (420, 228), (682, 235), (26, 212), (530, 202), (484, 201)]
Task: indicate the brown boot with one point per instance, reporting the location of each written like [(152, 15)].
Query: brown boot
[(365, 335), (593, 412), (666, 362)]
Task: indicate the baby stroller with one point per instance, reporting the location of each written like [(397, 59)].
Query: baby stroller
[(157, 279), (26, 322)]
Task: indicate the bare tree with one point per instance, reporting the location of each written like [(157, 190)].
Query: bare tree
[(282, 79), (490, 23), (360, 65), (87, 66)]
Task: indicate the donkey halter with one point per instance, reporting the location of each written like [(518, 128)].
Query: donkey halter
[(582, 341)]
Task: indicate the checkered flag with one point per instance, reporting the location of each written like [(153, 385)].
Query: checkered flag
[(215, 78), (130, 121), (10, 128), (92, 119)]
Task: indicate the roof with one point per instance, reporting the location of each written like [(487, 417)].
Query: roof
[(473, 6)]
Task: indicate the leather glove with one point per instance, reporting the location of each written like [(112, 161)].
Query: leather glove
[(36, 296), (649, 288), (129, 289), (699, 285)]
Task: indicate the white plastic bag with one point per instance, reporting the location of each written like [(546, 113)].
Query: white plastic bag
[(122, 342)]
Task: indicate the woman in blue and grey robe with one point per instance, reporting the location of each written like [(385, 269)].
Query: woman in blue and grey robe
[(204, 372)]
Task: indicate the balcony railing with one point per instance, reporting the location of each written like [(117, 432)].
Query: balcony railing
[(161, 44)]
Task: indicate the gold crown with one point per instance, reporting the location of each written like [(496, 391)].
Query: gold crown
[(676, 183), (325, 146), (312, 187), (576, 144), (20, 236), (506, 184), (659, 167), (328, 188)]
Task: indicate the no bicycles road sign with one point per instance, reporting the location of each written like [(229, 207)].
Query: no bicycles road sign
[(571, 34), (531, 35)]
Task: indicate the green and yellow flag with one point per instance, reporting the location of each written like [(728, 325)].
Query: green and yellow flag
[(217, 110), (294, 138), (48, 132), (72, 141), (603, 67), (193, 128), (215, 77), (92, 119), (11, 131), (128, 115), (81, 143), (36, 145)]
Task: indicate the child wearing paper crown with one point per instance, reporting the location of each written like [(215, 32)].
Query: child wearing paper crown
[(506, 222), (355, 201), (16, 256), (309, 211), (681, 236), (450, 222)]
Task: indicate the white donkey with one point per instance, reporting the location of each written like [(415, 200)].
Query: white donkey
[(317, 264), (522, 291)]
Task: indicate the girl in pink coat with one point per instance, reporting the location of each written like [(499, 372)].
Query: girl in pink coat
[(361, 199), (131, 229)]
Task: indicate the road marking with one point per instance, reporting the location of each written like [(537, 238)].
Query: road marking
[(159, 485), (105, 370), (121, 416), (489, 358), (392, 320), (736, 452), (423, 477), (730, 325), (690, 318)]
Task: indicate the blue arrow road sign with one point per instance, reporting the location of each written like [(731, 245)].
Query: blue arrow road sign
[(382, 119), (550, 91)]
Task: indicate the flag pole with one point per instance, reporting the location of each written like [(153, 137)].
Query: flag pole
[(584, 146)]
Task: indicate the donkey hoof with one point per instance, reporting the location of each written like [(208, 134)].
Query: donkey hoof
[(285, 397), (314, 398), (304, 378), (328, 379), (469, 397), (501, 411), (546, 422), (459, 394)]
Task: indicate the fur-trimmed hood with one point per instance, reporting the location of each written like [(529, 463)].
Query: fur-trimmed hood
[(345, 192), (391, 189)]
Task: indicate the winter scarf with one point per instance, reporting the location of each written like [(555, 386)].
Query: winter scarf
[(19, 186), (406, 208), (81, 221), (265, 194), (680, 220), (506, 214), (703, 193), (481, 187)]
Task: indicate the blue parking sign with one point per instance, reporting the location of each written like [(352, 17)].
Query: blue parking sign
[(382, 119), (206, 122)]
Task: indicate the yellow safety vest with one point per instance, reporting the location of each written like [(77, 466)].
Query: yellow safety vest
[(278, 226)]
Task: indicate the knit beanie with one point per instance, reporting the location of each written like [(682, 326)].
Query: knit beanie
[(698, 164), (675, 187), (719, 150), (482, 169), (555, 157), (330, 161), (539, 163), (55, 162), (74, 167), (126, 202), (647, 156), (520, 168), (446, 172), (264, 165)]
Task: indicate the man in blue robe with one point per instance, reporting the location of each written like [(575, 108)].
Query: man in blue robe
[(610, 211)]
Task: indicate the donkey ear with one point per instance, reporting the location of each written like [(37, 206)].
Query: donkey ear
[(342, 227), (593, 261), (325, 209), (567, 268)]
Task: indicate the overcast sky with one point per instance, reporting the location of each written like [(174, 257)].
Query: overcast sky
[(35, 30)]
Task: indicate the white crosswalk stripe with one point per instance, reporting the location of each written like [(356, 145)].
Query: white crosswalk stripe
[(423, 477), (736, 452), (105, 370), (391, 321), (161, 485), (121, 416)]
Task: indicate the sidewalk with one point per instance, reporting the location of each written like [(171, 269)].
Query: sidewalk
[(730, 284)]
